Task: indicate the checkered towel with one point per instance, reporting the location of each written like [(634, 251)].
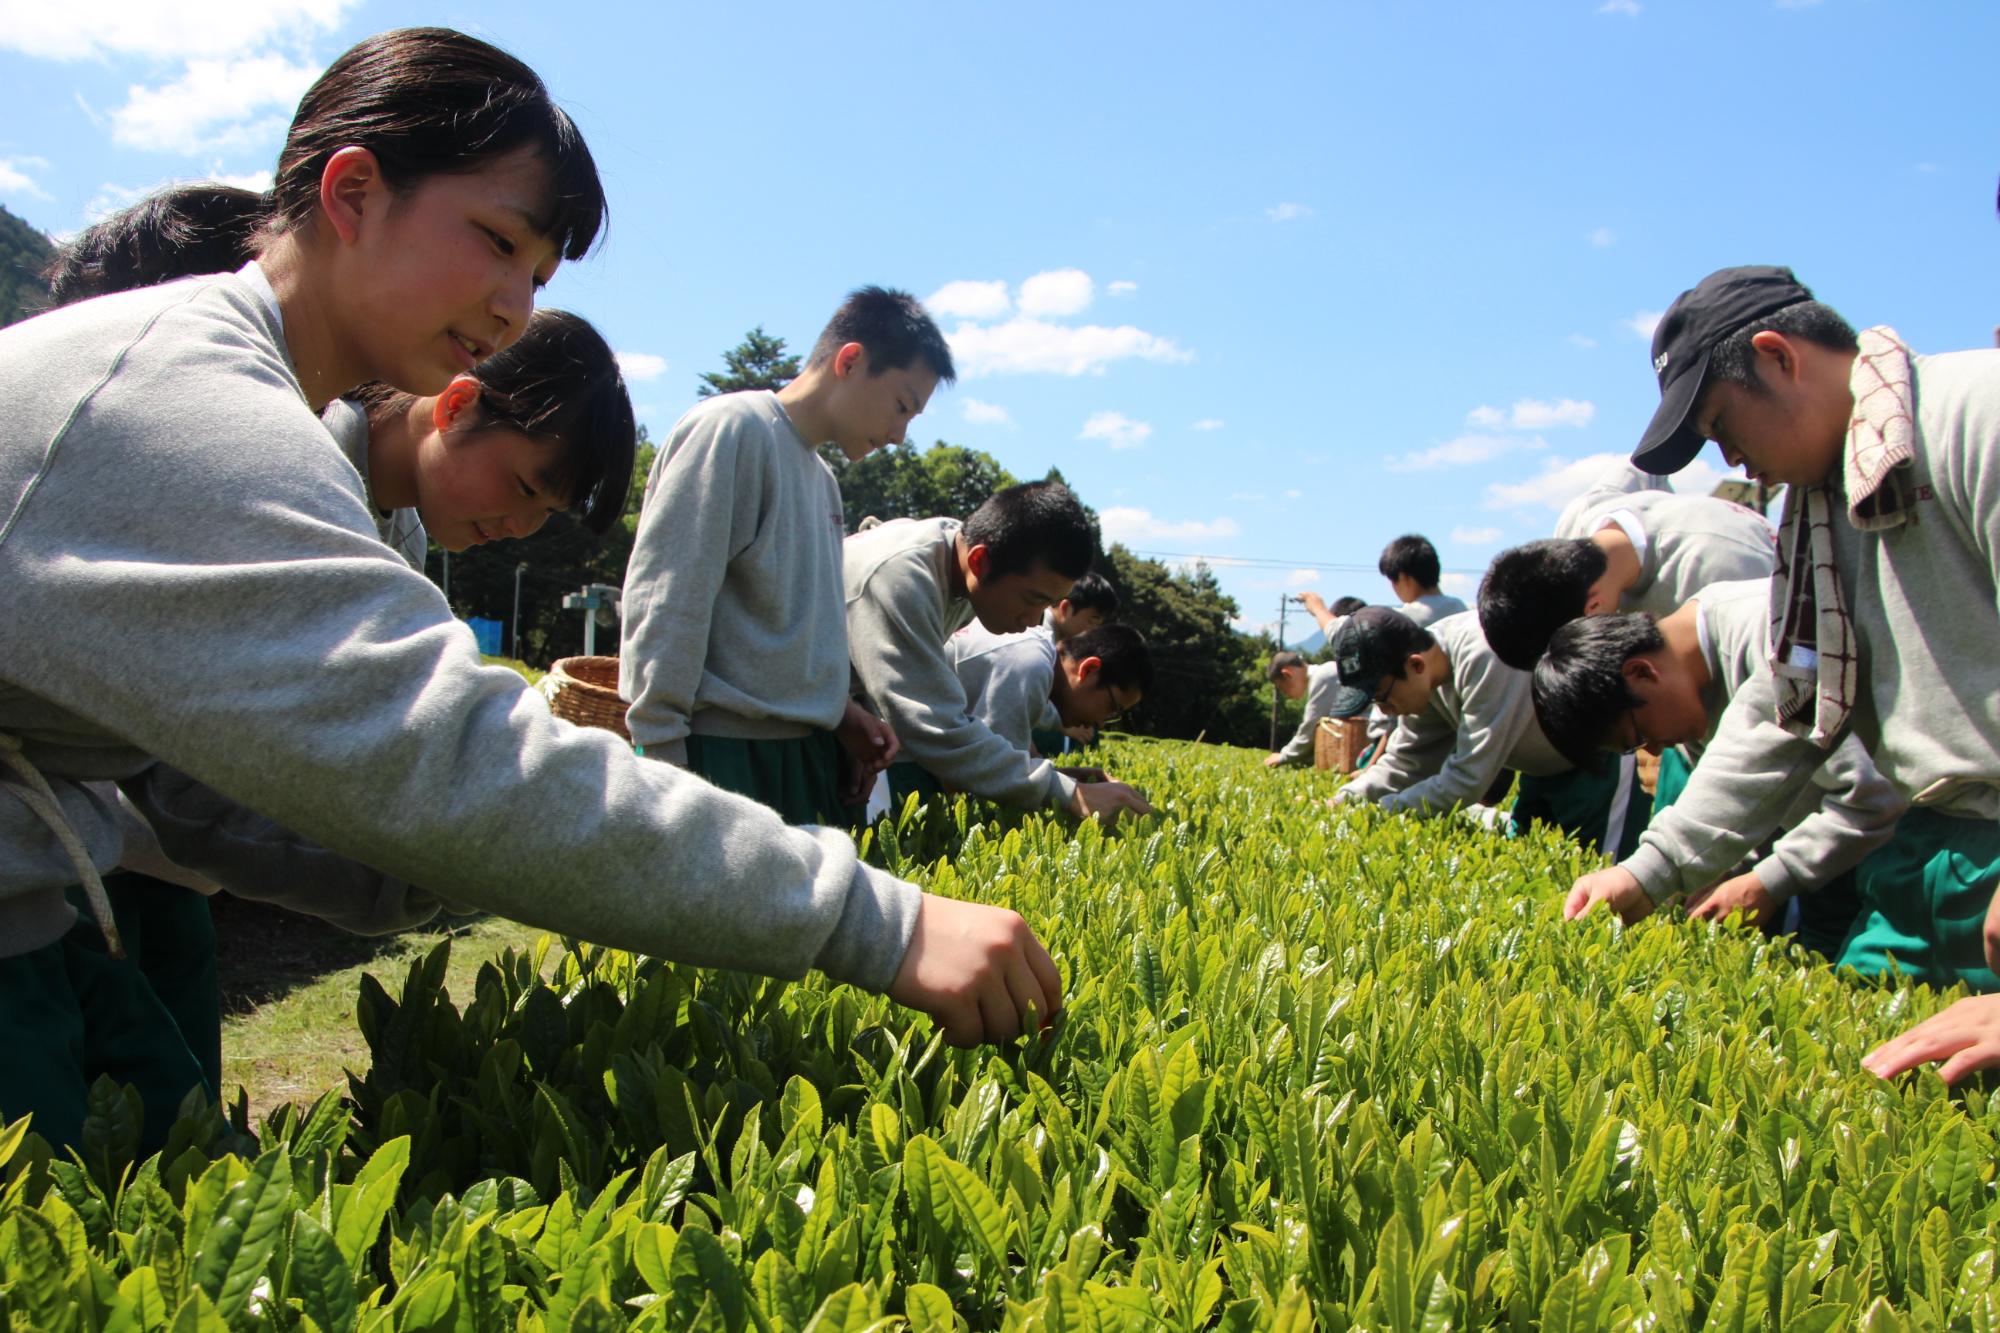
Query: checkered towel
[(1813, 652)]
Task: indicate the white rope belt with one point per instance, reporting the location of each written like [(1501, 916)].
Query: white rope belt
[(34, 789)]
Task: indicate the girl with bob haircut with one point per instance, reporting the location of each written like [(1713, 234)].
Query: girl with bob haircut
[(201, 610)]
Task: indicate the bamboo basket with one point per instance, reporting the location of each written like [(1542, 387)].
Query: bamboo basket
[(1338, 743), (584, 690)]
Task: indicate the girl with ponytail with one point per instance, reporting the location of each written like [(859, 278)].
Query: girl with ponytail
[(198, 606)]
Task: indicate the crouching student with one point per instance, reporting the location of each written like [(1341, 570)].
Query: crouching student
[(1091, 603), (165, 480), (1088, 678), (911, 584), (734, 633), (1465, 718), (1318, 683), (1620, 682), (1883, 612)]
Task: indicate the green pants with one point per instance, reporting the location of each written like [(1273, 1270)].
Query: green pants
[(1604, 810), (1672, 781), (1923, 902), (69, 1012), (906, 778), (799, 778), (1050, 744)]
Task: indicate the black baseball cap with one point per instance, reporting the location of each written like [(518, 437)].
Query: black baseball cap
[(1371, 647), (1699, 318)]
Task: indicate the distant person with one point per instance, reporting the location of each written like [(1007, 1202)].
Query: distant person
[(1625, 681), (1883, 613), (734, 652), (1329, 618), (911, 584), (1410, 563), (1318, 683)]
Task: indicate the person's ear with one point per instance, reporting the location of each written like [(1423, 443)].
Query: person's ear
[(850, 358), (977, 558), (1776, 349), (1415, 665), (1087, 668), (458, 398), (1639, 671), (351, 188)]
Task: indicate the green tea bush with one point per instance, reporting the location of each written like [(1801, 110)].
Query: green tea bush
[(1314, 1071)]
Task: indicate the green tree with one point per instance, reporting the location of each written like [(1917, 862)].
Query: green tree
[(945, 480), (758, 362), (1206, 675), (24, 253)]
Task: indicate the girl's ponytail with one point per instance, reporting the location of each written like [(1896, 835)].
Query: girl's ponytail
[(180, 232)]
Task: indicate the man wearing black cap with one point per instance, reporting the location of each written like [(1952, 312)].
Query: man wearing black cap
[(1465, 718), (1883, 617)]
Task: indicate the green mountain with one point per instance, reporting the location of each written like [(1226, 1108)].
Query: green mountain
[(23, 253)]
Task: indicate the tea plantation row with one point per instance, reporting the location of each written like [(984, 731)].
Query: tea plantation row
[(1315, 1071)]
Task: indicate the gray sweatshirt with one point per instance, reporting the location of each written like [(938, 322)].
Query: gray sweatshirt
[(1684, 542), (1007, 678), (733, 623), (194, 577), (1480, 720), (401, 530), (1843, 813), (1926, 621), (1432, 606), (900, 611), (1322, 684)]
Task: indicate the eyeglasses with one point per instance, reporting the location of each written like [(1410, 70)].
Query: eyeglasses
[(1381, 696)]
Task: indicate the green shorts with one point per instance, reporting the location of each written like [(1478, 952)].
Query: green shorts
[(1923, 902), (797, 777), (907, 778), (70, 1013), (1605, 811)]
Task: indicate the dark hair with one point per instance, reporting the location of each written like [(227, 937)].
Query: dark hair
[(1347, 606), (558, 382), (1283, 662), (1533, 589), (1127, 664), (1579, 684), (892, 327), (1093, 592), (1034, 523), (178, 232), (1734, 360), (1412, 555)]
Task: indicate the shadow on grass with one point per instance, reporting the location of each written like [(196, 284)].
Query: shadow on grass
[(265, 953)]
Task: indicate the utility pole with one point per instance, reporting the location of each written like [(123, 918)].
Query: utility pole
[(519, 570), (599, 604), (447, 578), (1284, 606)]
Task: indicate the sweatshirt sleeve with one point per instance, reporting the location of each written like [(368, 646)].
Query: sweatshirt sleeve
[(288, 660), (700, 509), (1497, 711), (32, 857), (251, 856), (1857, 812), (900, 660), (1746, 780), (1416, 749)]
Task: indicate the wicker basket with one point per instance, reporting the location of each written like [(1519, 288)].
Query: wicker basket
[(584, 690), (1338, 743)]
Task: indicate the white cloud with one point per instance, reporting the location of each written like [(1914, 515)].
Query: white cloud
[(1532, 414), (1116, 429), (970, 300), (1122, 523), (1559, 483), (1302, 578), (1295, 494), (1629, 8), (1475, 536), (986, 414), (1207, 423), (1062, 291), (1488, 418), (1458, 585), (1463, 450), (1023, 346), (1644, 322), (642, 366), (14, 177), (215, 105), (1122, 287), (1289, 212), (1602, 237), (1582, 340), (185, 29), (249, 180)]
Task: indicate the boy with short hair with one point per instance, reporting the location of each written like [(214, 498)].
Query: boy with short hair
[(911, 583), (1629, 543), (1318, 683), (734, 654), (1088, 678), (1091, 603), (1466, 717), (1410, 563), (1883, 611), (1620, 681)]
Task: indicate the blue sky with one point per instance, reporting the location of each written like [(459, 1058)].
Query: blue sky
[(1271, 284)]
